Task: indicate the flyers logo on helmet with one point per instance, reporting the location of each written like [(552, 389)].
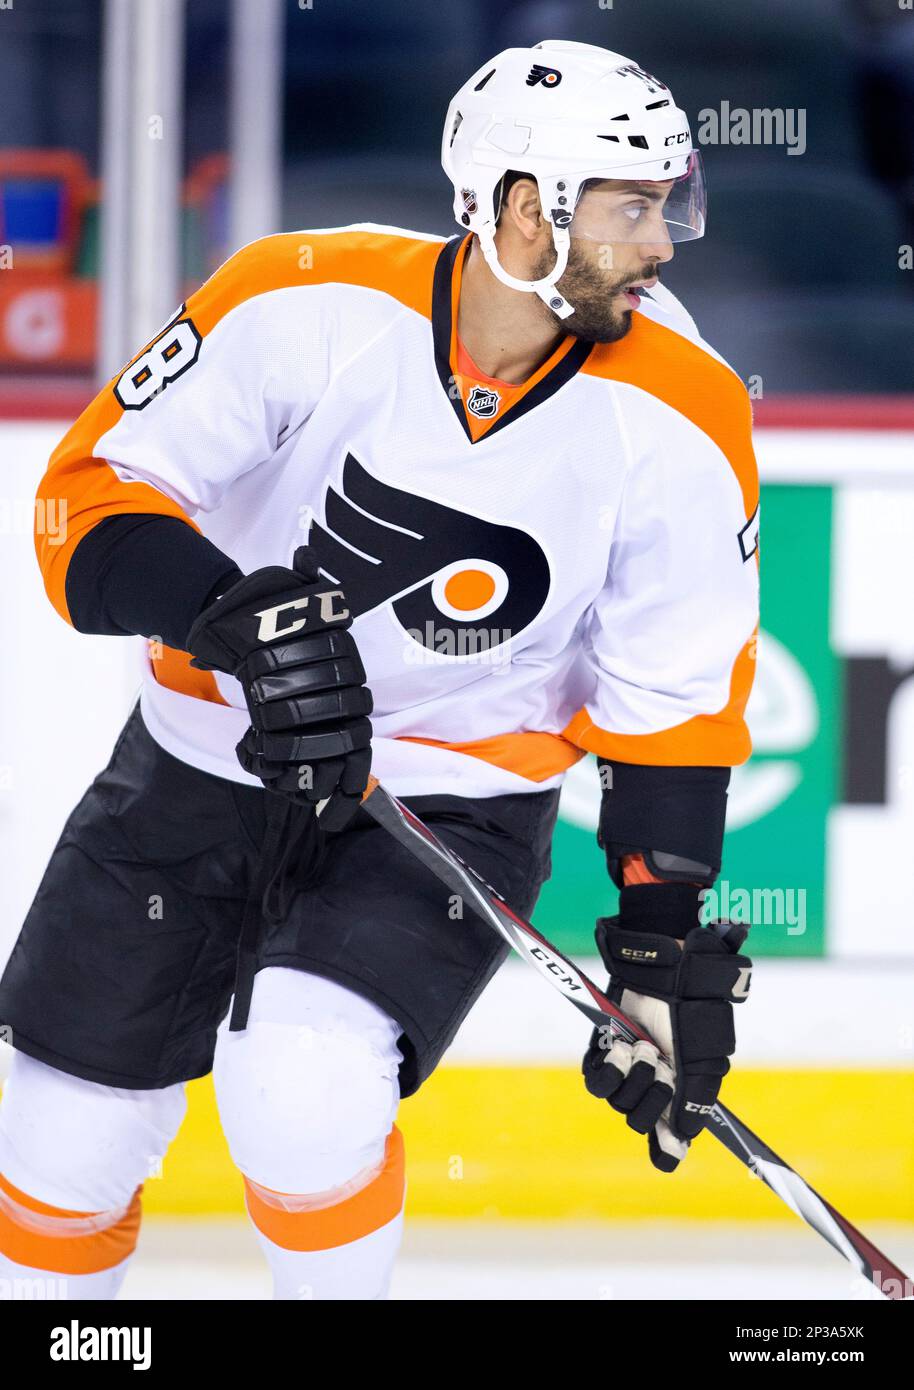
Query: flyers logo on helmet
[(439, 568), (545, 77)]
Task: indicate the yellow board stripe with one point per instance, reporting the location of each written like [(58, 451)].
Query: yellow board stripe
[(530, 1143)]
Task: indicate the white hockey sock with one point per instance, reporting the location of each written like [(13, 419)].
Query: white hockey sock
[(356, 1271)]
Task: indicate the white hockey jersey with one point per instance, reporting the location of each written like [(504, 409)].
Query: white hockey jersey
[(536, 570)]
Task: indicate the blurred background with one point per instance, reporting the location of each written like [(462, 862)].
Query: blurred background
[(795, 280), (141, 142)]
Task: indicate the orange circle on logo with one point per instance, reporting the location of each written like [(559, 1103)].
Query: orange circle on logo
[(469, 589)]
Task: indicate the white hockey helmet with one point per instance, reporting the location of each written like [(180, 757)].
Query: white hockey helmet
[(566, 114)]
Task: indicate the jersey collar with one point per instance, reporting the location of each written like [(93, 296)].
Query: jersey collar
[(559, 367)]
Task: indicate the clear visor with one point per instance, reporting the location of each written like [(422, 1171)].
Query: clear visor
[(642, 211)]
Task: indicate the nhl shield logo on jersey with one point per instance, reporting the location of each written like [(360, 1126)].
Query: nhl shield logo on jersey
[(483, 402), (456, 583)]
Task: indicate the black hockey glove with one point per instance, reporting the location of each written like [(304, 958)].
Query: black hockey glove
[(683, 996), (283, 634)]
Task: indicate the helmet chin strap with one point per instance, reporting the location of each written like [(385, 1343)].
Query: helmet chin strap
[(545, 288)]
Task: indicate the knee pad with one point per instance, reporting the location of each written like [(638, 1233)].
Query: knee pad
[(309, 1091), (79, 1145)]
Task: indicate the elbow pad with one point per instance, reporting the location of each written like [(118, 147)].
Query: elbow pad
[(672, 816)]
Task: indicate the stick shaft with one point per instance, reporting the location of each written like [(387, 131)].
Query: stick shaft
[(580, 991)]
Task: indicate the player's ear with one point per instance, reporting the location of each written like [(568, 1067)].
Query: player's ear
[(523, 208)]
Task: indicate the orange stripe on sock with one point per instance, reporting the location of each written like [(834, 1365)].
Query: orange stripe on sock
[(367, 1210), (79, 1251)]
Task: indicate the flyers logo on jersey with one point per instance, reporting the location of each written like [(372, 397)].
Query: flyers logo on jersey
[(544, 77), (483, 403), (439, 568)]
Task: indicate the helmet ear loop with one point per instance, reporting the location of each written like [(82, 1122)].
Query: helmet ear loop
[(545, 288), (497, 197)]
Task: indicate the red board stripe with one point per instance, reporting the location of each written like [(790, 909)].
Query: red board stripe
[(835, 413)]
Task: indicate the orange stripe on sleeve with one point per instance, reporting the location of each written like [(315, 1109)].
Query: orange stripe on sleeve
[(705, 740), (81, 491)]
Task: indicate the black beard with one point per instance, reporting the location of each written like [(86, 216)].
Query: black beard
[(595, 318)]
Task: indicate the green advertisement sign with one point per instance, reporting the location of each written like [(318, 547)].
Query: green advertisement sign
[(774, 868)]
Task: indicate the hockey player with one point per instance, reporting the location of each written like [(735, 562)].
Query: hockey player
[(500, 483)]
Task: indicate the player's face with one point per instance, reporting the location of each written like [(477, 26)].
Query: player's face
[(618, 241)]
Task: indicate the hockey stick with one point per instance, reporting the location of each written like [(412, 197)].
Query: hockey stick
[(564, 976)]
